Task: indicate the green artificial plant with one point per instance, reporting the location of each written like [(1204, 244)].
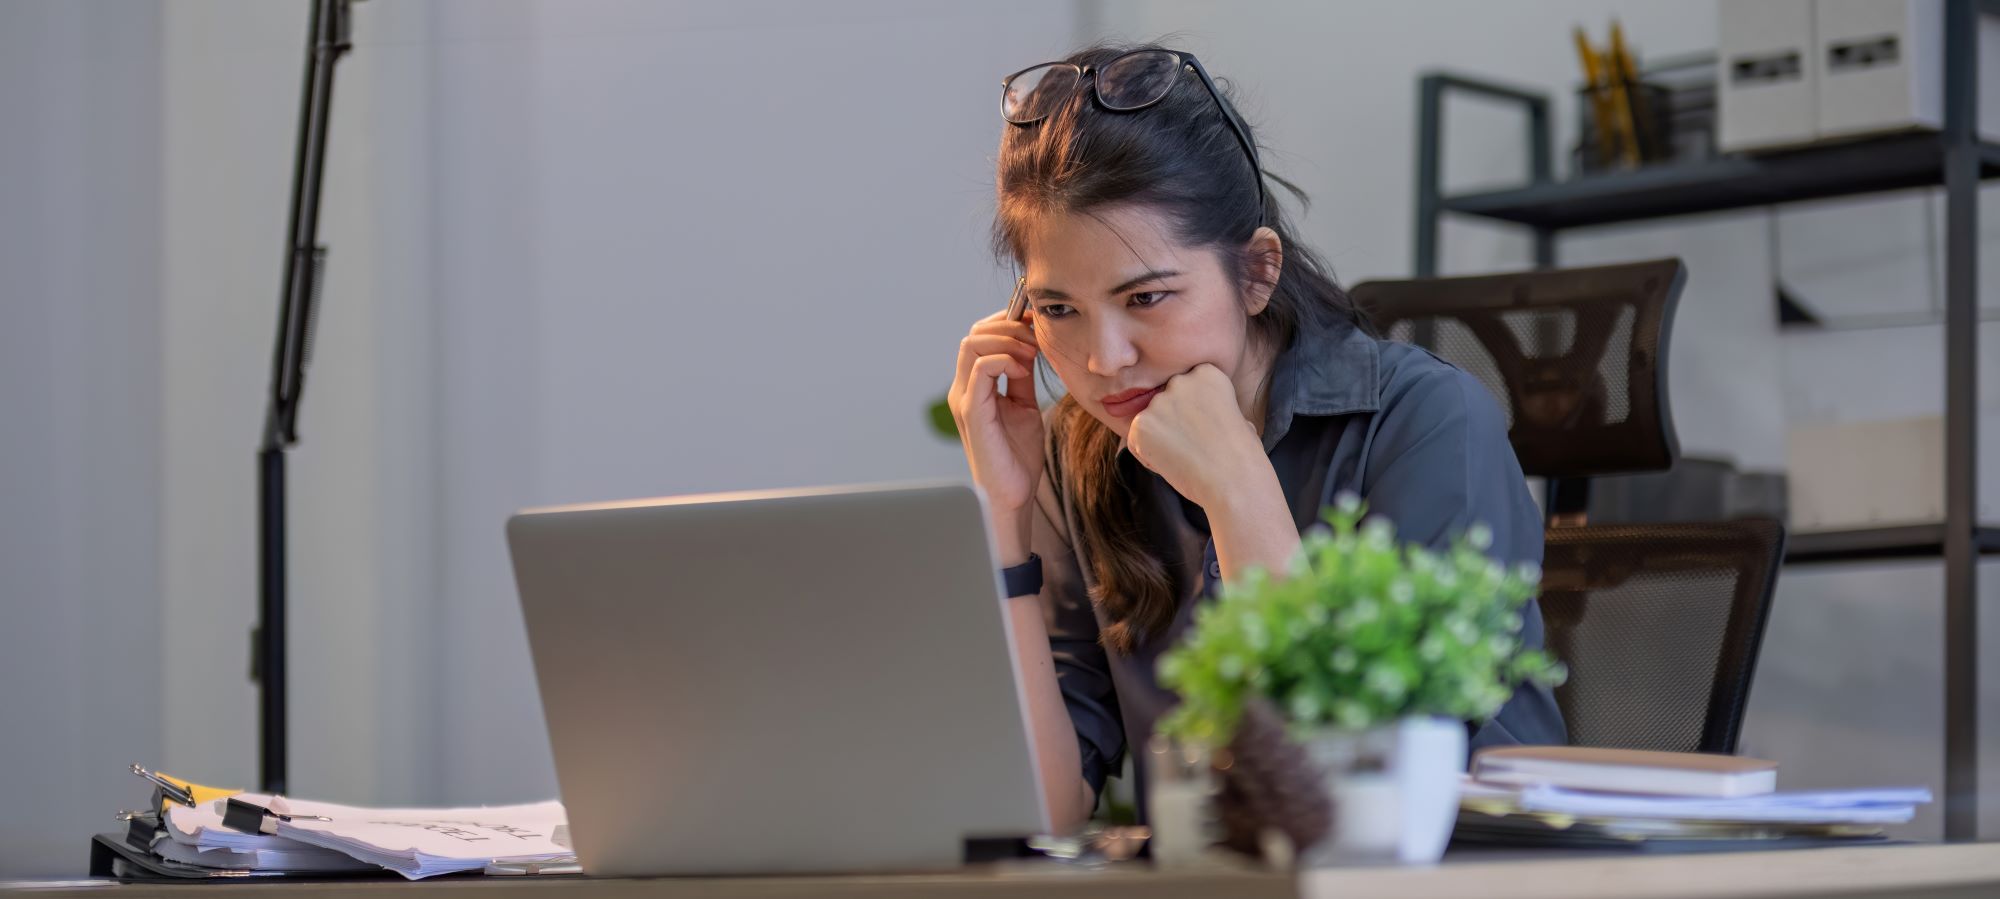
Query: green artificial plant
[(1361, 632)]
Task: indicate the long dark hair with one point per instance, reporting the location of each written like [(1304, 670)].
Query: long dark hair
[(1180, 159)]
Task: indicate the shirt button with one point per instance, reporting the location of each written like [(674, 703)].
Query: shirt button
[(1215, 570)]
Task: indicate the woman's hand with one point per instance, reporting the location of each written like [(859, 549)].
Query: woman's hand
[(1189, 435), (1194, 435), (1002, 432)]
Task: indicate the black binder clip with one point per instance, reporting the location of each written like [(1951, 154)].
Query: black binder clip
[(168, 790), (250, 817)]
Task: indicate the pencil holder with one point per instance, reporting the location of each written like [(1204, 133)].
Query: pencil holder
[(1602, 149)]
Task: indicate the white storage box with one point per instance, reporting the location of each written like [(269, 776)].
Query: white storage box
[(1881, 67), (1866, 474), (1765, 78)]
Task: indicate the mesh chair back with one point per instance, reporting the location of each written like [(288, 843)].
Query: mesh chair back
[(1659, 625), (1576, 356)]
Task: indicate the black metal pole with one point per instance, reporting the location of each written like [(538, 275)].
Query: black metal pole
[(1431, 89), (1430, 150), (298, 301), (268, 669), (1542, 156), (1961, 411)]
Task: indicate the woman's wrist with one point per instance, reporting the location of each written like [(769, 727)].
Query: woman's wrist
[(1254, 528), (1242, 481), (1253, 495), (1012, 532)]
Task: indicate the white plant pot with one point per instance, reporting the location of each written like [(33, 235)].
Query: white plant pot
[(1394, 791)]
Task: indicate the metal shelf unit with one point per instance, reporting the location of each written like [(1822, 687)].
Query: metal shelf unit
[(1954, 158)]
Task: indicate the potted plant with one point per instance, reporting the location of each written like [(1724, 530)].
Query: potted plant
[(1374, 654)]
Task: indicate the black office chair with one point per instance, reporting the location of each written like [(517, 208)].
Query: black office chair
[(1659, 624), (1576, 356), (1660, 627)]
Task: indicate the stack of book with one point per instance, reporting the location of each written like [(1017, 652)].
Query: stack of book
[(1661, 802)]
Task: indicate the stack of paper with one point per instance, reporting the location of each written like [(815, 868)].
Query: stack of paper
[(1625, 770), (1890, 806), (298, 859), (415, 843), (1544, 815), (195, 836)]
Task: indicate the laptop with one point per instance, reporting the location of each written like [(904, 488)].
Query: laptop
[(809, 680)]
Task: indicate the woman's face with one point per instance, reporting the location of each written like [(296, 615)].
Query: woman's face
[(1120, 307)]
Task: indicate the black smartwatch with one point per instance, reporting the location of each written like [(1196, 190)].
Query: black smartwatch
[(1024, 579)]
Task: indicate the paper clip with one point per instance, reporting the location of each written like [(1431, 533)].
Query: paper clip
[(252, 818), (168, 788)]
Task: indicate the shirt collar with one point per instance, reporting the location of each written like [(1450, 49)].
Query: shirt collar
[(1331, 368)]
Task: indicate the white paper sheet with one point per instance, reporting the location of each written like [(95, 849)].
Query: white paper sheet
[(419, 843)]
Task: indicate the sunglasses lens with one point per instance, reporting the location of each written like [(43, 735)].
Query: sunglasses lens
[(1138, 79), (1031, 95)]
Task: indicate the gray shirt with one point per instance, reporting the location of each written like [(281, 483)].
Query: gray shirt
[(1422, 442)]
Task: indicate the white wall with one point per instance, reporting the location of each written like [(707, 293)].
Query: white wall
[(80, 642), (362, 526), (224, 173)]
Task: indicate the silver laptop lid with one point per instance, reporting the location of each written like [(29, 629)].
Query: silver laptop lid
[(799, 680)]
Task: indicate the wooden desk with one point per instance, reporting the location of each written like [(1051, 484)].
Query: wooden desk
[(1924, 871)]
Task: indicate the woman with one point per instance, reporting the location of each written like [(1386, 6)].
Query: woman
[(1221, 389)]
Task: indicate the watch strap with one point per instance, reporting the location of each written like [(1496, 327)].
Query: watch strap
[(1024, 579)]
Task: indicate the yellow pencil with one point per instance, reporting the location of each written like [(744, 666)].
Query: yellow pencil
[(1600, 100), (1625, 78)]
